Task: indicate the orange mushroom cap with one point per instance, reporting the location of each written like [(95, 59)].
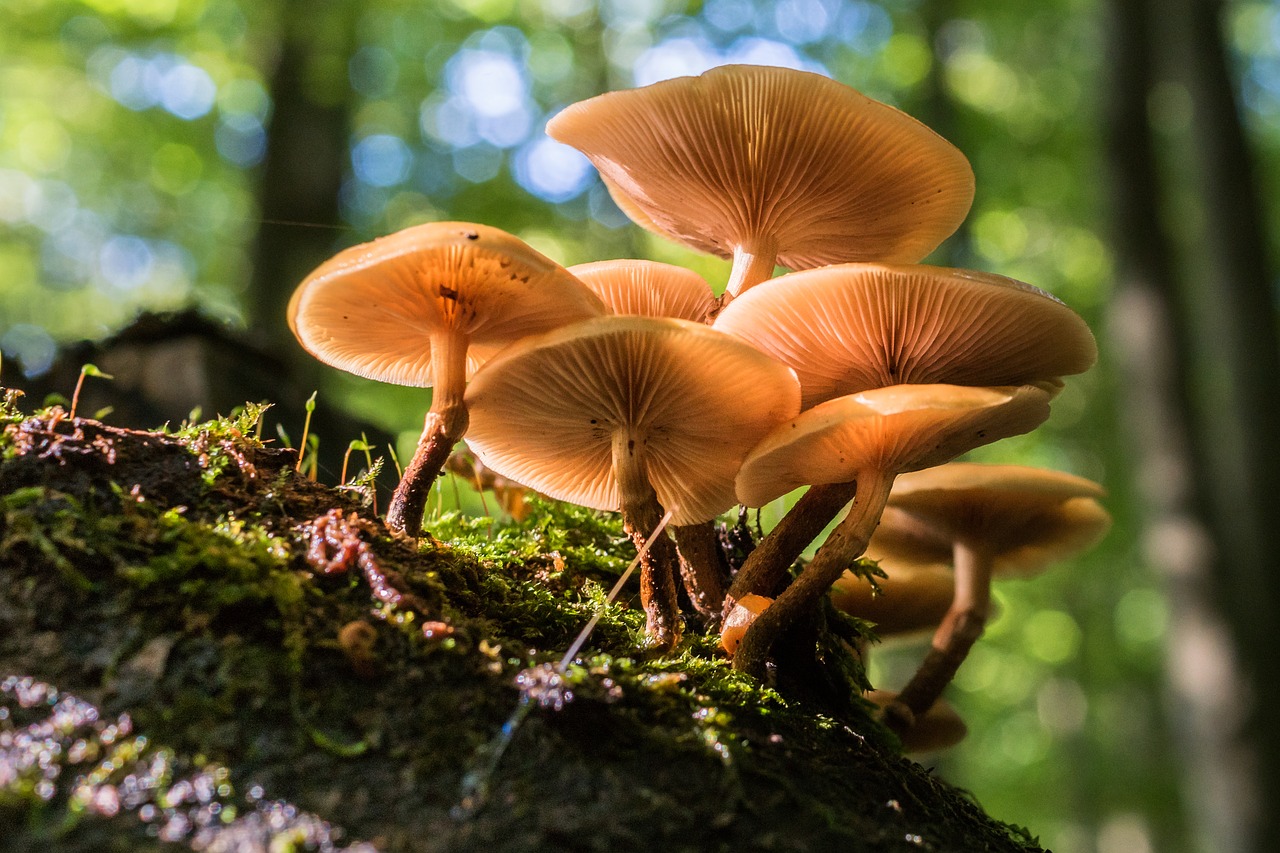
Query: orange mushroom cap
[(1025, 518), (372, 309), (692, 402), (938, 728), (852, 327), (911, 598), (748, 154), (648, 288), (893, 430)]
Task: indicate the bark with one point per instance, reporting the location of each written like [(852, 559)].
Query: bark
[(227, 665)]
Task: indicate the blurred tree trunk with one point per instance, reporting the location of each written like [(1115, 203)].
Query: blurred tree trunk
[(306, 158), (1195, 323)]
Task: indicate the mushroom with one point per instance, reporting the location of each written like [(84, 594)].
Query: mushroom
[(653, 289), (648, 288), (772, 166), (424, 307), (868, 439), (909, 599), (986, 520), (635, 414), (938, 728), (851, 327), (739, 620)]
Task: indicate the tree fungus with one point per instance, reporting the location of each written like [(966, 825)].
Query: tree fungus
[(773, 166), (424, 307)]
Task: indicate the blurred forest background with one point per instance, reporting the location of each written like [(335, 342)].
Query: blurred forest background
[(160, 155)]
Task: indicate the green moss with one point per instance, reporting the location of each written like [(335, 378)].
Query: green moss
[(190, 604)]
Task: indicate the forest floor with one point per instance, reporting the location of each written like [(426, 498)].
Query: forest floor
[(200, 648)]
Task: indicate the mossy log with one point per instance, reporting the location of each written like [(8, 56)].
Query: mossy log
[(200, 648)]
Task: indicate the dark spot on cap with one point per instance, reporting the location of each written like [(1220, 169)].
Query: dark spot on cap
[(473, 235)]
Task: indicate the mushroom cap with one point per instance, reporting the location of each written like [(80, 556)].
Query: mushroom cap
[(735, 625), (648, 288), (937, 728), (912, 598), (746, 152), (893, 430), (372, 309), (1026, 518), (695, 401), (851, 327)]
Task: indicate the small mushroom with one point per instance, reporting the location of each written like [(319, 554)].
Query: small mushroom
[(637, 414), (424, 307), (936, 729), (911, 598), (851, 327), (868, 439), (648, 288), (987, 521), (772, 166), (739, 620)]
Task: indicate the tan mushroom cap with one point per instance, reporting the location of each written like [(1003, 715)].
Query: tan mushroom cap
[(1026, 518), (744, 153), (372, 309), (739, 619), (911, 599), (851, 327), (895, 429), (938, 728), (648, 288), (693, 400)]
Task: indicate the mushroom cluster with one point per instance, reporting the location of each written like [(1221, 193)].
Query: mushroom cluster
[(626, 385)]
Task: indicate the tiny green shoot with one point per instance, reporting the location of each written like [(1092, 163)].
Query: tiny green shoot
[(85, 370), (306, 427)]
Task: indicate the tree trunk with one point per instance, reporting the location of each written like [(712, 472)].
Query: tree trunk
[(305, 162), (266, 668), (1200, 357)]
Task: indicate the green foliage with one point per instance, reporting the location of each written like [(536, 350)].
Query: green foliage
[(111, 201)]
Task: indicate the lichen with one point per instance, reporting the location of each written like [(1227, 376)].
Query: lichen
[(186, 600)]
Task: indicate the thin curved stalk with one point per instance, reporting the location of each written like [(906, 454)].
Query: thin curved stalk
[(641, 514), (444, 426), (703, 567), (767, 565), (845, 544), (960, 629)]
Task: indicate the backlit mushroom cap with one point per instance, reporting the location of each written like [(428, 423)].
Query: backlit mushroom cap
[(648, 288), (739, 620), (1026, 518), (743, 152), (911, 599), (852, 327), (693, 400), (938, 728), (895, 429), (372, 309)]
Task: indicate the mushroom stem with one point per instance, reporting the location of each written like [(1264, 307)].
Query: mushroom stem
[(845, 544), (703, 567), (641, 513), (752, 264), (444, 426), (960, 629), (767, 565)]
